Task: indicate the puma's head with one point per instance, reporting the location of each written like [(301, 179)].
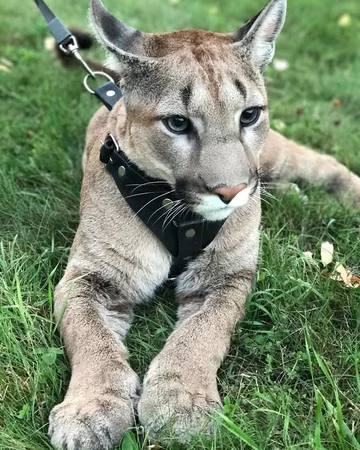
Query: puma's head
[(196, 109)]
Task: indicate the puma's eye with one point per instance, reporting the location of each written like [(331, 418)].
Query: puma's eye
[(177, 124), (250, 116)]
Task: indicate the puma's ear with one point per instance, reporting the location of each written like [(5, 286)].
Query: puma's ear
[(256, 39), (124, 43)]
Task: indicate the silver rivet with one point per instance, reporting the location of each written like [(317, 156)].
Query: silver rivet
[(167, 203), (121, 171), (110, 93), (190, 233)]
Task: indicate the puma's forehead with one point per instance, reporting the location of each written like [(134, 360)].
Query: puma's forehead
[(202, 76), (196, 69), (200, 42), (208, 56)]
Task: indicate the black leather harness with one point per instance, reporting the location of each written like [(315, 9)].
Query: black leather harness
[(155, 203), (184, 233)]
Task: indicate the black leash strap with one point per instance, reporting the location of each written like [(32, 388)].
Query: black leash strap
[(109, 93), (56, 27)]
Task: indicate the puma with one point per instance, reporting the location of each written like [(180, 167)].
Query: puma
[(195, 114)]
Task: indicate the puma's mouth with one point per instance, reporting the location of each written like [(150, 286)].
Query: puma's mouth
[(212, 208), (217, 204)]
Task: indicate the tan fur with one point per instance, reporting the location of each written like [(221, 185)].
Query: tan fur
[(117, 262)]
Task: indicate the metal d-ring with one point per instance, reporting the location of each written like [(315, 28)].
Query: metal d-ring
[(94, 75)]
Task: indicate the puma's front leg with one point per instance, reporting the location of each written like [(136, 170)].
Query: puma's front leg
[(99, 404), (284, 161), (180, 386)]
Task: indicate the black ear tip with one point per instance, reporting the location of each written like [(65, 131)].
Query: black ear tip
[(97, 7), (241, 32)]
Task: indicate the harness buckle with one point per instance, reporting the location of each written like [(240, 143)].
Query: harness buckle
[(117, 147), (108, 147)]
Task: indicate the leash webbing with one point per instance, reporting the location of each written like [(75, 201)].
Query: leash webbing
[(109, 93), (56, 27)]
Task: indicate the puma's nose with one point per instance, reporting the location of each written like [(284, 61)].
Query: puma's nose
[(227, 194)]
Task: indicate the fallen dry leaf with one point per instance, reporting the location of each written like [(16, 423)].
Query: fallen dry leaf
[(327, 252), (344, 20), (309, 256), (345, 275), (342, 274)]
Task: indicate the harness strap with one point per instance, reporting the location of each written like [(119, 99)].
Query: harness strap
[(156, 204)]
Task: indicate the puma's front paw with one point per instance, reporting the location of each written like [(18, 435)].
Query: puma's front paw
[(176, 404), (91, 421)]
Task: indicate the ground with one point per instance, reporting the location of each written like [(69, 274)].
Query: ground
[(291, 380)]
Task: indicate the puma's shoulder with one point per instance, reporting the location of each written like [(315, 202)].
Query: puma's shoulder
[(95, 133)]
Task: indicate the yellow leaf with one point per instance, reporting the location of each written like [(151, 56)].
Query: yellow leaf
[(344, 274), (4, 68)]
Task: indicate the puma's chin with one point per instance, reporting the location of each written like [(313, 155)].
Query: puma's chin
[(214, 209), (216, 215)]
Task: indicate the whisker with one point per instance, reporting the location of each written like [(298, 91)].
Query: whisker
[(171, 216), (138, 185), (177, 213), (163, 206), (172, 212), (167, 211), (264, 200), (142, 193), (152, 200), (268, 194), (256, 199)]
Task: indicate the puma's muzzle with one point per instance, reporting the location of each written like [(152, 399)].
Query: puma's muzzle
[(218, 203)]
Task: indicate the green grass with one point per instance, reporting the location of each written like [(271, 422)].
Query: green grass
[(292, 377)]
